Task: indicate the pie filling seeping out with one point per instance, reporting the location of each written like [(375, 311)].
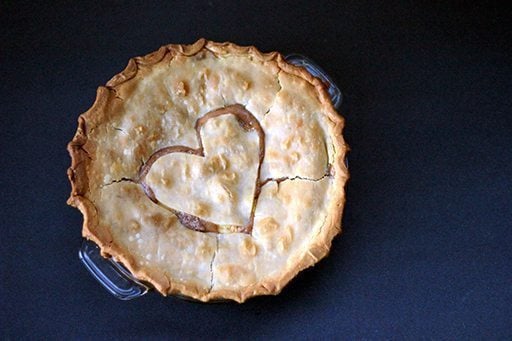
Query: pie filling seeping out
[(211, 170)]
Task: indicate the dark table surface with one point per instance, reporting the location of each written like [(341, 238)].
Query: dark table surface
[(426, 249)]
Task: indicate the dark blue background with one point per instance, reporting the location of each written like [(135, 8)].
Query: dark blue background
[(426, 249)]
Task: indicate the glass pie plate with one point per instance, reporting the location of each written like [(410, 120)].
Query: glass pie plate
[(113, 276)]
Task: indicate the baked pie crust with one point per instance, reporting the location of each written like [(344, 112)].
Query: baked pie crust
[(211, 170)]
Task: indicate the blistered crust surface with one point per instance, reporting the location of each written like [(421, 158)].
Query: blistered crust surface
[(283, 229), (154, 104), (154, 238)]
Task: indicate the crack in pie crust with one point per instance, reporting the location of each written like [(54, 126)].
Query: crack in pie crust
[(211, 170)]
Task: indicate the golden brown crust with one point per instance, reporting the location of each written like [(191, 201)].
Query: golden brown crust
[(100, 234)]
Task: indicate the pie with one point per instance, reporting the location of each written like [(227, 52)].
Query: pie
[(211, 170)]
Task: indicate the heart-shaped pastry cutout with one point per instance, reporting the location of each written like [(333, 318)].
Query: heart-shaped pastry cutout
[(214, 187)]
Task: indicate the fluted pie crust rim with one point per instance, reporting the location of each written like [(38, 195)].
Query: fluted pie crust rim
[(318, 247)]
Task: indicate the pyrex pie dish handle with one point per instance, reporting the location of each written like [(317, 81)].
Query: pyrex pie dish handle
[(317, 71), (112, 275)]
